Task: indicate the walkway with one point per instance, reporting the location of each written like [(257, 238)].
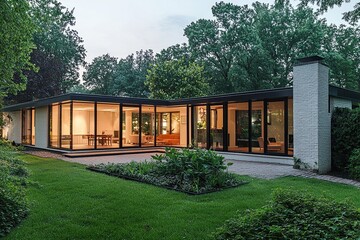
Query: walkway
[(253, 169)]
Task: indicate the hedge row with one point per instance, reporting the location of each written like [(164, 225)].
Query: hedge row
[(13, 180)]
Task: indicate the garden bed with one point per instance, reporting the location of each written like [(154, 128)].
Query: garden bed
[(193, 172)]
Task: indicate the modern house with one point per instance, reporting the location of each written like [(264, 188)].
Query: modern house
[(292, 121)]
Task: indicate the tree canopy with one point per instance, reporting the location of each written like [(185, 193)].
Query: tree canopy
[(100, 74), (176, 79), (58, 54), (16, 44)]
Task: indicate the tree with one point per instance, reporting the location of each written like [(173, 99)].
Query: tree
[(100, 75), (351, 16), (131, 74), (177, 79), (16, 44), (58, 55)]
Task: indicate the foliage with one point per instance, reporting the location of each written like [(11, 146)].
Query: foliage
[(16, 31), (345, 136), (88, 205), (354, 164), (131, 74), (100, 74), (58, 55), (176, 79), (295, 215), (13, 179), (195, 171), (351, 16), (249, 48)]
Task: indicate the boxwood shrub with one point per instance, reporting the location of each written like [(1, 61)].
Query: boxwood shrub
[(193, 171), (345, 136), (293, 215), (13, 180), (354, 164)]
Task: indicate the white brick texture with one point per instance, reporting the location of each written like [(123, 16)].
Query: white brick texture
[(312, 122)]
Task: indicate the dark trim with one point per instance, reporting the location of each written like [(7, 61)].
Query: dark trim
[(60, 123), (140, 124), (121, 125), (334, 91), (225, 127), (250, 125), (208, 126), (192, 125), (95, 127), (265, 123), (155, 128), (286, 139), (71, 124), (187, 125), (49, 123)]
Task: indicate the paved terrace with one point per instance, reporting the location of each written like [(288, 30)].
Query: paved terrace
[(253, 169)]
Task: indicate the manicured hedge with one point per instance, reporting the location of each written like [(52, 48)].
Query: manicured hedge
[(13, 180), (345, 136), (296, 216), (193, 171), (354, 164)]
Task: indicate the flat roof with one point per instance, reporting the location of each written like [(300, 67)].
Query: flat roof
[(239, 96)]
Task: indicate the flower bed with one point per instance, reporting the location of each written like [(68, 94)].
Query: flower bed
[(191, 171)]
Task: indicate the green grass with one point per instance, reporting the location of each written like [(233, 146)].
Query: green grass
[(73, 203)]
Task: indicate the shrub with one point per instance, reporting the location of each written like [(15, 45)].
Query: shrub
[(195, 171), (354, 164), (345, 136), (13, 179), (293, 215)]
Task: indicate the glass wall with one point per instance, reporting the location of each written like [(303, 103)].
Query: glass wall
[(147, 126), (108, 124), (131, 126), (54, 126), (290, 128), (172, 125), (200, 120), (27, 127), (83, 126), (276, 127), (257, 127), (216, 127), (66, 126), (238, 127)]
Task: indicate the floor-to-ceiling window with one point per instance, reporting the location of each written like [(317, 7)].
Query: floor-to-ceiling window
[(275, 127), (257, 127), (216, 127), (66, 125), (200, 126), (172, 126), (147, 125), (54, 133), (28, 127), (108, 124), (290, 128), (238, 127), (83, 124), (131, 126)]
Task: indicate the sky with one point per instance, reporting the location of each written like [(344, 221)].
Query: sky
[(122, 27)]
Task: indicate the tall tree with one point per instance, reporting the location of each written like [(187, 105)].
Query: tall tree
[(59, 51), (100, 75), (351, 16), (131, 74), (16, 44), (177, 79)]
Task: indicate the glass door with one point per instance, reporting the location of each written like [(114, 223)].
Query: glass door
[(275, 120)]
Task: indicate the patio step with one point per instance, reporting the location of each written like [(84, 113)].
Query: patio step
[(112, 152)]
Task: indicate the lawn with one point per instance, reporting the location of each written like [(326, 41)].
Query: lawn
[(69, 202)]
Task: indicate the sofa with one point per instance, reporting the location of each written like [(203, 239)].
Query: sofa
[(168, 139)]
